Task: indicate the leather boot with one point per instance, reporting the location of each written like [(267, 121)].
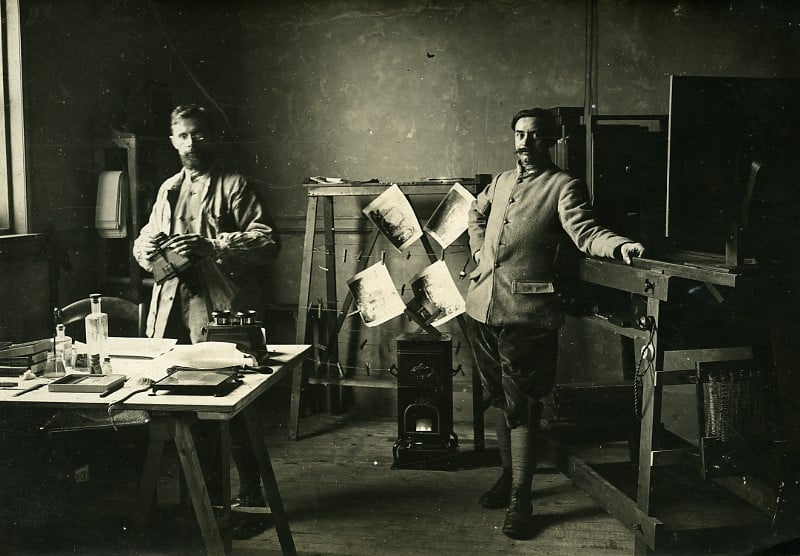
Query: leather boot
[(519, 517), (497, 496)]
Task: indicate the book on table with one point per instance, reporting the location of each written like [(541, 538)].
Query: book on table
[(24, 360), (26, 348), (17, 370)]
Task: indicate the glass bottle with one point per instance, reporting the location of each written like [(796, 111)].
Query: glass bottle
[(63, 350), (96, 329), (95, 367), (50, 365), (106, 366)]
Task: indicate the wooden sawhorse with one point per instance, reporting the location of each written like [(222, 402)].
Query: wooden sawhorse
[(333, 315)]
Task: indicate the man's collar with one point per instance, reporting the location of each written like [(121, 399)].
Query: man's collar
[(196, 177), (524, 172)]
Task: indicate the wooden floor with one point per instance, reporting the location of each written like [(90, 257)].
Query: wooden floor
[(338, 486), (342, 497)]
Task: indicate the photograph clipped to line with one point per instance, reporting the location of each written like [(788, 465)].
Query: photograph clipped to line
[(393, 215), (450, 218), (375, 295), (436, 297)]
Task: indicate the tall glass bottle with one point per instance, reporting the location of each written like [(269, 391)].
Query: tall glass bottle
[(96, 329), (63, 349)]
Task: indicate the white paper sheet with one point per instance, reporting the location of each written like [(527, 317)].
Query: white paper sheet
[(436, 294), (375, 295), (139, 348), (450, 218), (394, 216)]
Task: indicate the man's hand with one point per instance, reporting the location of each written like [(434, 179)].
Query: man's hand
[(630, 250), (149, 245), (192, 245)]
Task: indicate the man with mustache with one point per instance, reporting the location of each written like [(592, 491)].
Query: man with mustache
[(516, 227), (215, 218)]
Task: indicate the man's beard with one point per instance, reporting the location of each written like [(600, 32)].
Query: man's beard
[(196, 160)]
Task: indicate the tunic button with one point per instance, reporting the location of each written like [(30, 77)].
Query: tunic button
[(511, 200), (497, 265), (505, 221)]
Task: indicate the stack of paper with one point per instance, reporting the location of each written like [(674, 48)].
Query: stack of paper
[(110, 217)]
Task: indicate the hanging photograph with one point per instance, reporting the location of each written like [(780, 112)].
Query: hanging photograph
[(450, 218), (375, 295), (394, 216), (436, 297)]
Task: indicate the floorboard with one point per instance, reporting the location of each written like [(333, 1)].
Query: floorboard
[(339, 490), (338, 487), (342, 497)]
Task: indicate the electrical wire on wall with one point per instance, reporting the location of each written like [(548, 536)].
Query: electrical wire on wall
[(590, 87)]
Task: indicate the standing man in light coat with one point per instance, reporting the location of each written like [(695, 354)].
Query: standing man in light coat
[(215, 219), (516, 226)]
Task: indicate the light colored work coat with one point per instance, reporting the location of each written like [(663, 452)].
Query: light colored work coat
[(234, 219), (517, 224)]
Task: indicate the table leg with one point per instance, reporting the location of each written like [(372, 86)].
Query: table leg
[(270, 484), (650, 422), (225, 479), (155, 450), (197, 487)]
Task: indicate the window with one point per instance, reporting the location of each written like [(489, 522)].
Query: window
[(13, 190)]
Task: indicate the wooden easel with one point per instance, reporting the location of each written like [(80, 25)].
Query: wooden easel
[(333, 316)]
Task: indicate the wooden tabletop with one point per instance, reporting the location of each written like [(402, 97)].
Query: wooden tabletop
[(282, 358)]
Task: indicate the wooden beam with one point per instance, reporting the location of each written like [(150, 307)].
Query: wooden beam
[(616, 502), (686, 359)]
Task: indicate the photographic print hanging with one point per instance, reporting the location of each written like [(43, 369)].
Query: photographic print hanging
[(394, 216), (450, 218), (436, 297), (375, 295)]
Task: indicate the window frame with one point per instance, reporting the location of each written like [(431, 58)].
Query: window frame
[(14, 210)]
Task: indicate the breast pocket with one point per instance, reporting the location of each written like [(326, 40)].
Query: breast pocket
[(531, 286)]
